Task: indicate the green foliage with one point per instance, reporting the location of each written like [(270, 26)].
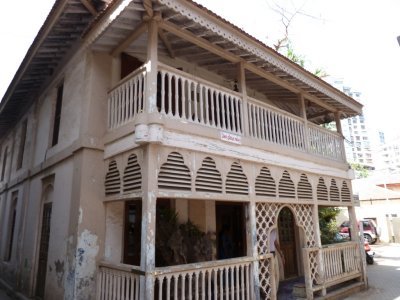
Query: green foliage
[(293, 56), (360, 170), (327, 224), (180, 243)]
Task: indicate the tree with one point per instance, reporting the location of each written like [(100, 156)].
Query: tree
[(327, 224), (360, 170)]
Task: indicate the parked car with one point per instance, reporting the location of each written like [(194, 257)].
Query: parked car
[(369, 227)]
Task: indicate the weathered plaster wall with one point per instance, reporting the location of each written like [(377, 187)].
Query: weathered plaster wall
[(114, 231)]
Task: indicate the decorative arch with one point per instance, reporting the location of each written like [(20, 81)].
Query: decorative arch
[(208, 177), (265, 184), (174, 174), (286, 186), (112, 181), (304, 189), (236, 181), (334, 191), (322, 190), (345, 192), (132, 179)]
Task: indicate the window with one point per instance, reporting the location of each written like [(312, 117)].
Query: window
[(3, 168), (11, 227), (57, 115), (22, 145)]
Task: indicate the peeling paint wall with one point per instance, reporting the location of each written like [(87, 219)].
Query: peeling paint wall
[(85, 272)]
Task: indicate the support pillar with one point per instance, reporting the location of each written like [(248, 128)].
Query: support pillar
[(243, 91), (251, 231), (151, 67), (358, 237), (317, 234), (148, 239), (303, 114)]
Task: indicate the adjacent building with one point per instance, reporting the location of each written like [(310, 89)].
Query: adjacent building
[(150, 148)]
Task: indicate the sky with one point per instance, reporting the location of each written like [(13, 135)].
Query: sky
[(350, 39)]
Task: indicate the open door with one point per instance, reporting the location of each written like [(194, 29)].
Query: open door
[(287, 241)]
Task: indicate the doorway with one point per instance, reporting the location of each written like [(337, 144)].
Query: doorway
[(132, 232), (230, 227), (43, 250), (287, 241)]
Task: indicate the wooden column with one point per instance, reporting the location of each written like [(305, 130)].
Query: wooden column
[(243, 91), (317, 234), (251, 231), (358, 239), (338, 123), (115, 70), (151, 67), (303, 114), (149, 201)]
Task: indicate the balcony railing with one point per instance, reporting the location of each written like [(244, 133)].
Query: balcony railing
[(224, 279), (186, 97), (118, 282), (331, 265)]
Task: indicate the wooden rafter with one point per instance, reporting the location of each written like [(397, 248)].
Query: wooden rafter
[(166, 43), (203, 43), (89, 6), (130, 39)]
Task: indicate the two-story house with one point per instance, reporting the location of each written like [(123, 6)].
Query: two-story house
[(148, 150)]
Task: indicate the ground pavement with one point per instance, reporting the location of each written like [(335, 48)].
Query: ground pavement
[(383, 275)]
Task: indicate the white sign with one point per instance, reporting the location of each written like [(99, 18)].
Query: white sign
[(231, 138)]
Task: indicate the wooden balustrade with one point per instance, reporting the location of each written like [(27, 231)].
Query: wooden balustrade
[(224, 279), (126, 100), (118, 282), (274, 125), (325, 142), (195, 100), (331, 265), (192, 99)]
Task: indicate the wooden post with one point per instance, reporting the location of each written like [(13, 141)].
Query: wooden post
[(151, 67), (251, 231), (360, 240), (303, 114), (242, 89), (318, 244), (340, 131), (149, 201)]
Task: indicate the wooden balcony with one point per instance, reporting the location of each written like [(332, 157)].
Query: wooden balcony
[(224, 279), (184, 97)]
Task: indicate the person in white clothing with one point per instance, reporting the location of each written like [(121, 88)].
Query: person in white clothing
[(275, 248)]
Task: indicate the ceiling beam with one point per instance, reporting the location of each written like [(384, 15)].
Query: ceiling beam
[(89, 6), (203, 43), (166, 43), (130, 39)]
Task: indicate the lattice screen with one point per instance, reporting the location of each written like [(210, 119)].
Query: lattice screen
[(265, 275), (267, 215)]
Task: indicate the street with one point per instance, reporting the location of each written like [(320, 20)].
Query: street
[(383, 275)]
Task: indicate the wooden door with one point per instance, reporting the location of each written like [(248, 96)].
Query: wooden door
[(230, 226), (287, 242), (132, 235), (43, 250)]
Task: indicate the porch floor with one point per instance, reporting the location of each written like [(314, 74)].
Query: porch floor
[(286, 288)]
